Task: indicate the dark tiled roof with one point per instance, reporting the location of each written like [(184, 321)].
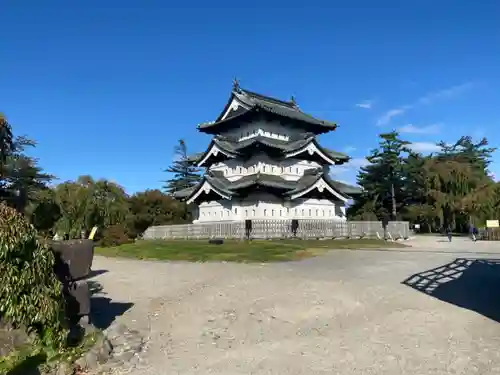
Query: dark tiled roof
[(345, 188), (231, 188), (268, 104), (233, 146), (268, 180), (184, 193)]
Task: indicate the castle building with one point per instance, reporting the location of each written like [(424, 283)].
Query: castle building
[(265, 162)]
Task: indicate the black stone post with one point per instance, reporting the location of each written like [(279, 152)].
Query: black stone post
[(248, 228), (295, 227), (73, 265)]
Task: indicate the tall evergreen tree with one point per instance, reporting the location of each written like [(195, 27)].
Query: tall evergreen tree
[(6, 149), (383, 179), (185, 174)]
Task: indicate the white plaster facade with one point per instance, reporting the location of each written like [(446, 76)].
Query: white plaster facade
[(266, 206)]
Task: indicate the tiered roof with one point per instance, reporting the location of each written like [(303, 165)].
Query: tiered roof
[(245, 105), (223, 148), (313, 179), (251, 104)]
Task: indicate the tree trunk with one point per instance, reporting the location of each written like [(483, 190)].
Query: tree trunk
[(393, 197)]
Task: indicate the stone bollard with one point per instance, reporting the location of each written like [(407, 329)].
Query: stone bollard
[(73, 265)]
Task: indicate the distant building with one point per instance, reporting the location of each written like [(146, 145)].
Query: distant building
[(264, 162)]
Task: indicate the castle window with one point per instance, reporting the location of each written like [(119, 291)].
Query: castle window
[(287, 211), (241, 169), (329, 212), (303, 212), (246, 213), (235, 210), (263, 168), (248, 134), (310, 212), (253, 212), (265, 212), (272, 213), (221, 213), (322, 212), (282, 169), (297, 170), (317, 212), (281, 213)]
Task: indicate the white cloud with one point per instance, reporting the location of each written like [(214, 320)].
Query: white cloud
[(367, 104), (425, 100), (445, 93), (351, 166), (387, 116), (412, 129), (424, 147)]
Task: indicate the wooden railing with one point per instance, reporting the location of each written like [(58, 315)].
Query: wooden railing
[(267, 229)]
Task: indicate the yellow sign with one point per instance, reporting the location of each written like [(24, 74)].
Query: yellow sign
[(92, 233), (492, 224)]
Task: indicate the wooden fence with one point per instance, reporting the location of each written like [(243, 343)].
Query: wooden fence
[(267, 229), (489, 234)]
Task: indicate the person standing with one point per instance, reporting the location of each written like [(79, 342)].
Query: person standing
[(449, 233)]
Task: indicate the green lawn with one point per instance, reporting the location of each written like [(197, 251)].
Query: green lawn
[(236, 251)]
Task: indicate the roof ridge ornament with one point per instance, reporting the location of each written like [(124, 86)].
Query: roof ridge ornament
[(236, 85), (293, 101)]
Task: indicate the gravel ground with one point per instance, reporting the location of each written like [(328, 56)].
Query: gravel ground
[(347, 312)]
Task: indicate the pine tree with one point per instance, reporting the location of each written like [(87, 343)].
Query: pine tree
[(383, 179), (6, 149), (186, 175)]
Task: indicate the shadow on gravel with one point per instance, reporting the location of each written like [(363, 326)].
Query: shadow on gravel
[(103, 310), (472, 284)]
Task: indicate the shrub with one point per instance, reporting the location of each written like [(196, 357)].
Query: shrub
[(114, 235), (30, 293)]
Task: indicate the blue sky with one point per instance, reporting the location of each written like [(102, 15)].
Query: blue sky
[(108, 90)]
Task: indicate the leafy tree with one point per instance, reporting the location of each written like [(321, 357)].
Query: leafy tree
[(152, 207), (86, 203), (185, 174), (30, 294)]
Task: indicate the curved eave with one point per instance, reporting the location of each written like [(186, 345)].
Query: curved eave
[(316, 126), (322, 185), (214, 151), (312, 147), (204, 188)]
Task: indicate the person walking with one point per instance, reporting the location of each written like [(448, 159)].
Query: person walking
[(449, 234)]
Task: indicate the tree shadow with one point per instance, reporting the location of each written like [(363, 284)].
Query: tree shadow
[(29, 366), (94, 273), (103, 311), (472, 284)]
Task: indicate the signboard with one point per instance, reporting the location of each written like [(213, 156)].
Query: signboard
[(492, 224)]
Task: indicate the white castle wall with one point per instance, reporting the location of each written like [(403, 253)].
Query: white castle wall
[(289, 169), (270, 129), (267, 206)]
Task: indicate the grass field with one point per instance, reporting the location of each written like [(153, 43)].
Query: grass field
[(236, 251)]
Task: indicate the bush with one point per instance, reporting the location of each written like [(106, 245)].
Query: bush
[(30, 293), (114, 235)]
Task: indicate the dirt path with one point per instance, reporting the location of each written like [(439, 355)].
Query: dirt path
[(347, 312)]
